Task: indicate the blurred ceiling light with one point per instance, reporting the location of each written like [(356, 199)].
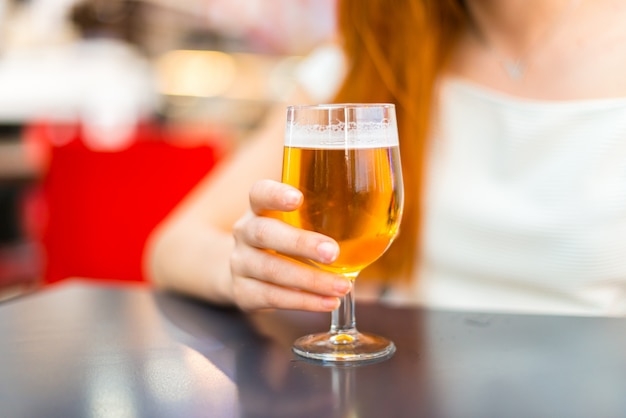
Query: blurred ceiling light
[(195, 73)]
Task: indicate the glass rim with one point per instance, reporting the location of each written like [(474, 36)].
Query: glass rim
[(331, 106)]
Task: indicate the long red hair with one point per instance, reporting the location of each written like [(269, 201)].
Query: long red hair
[(396, 50)]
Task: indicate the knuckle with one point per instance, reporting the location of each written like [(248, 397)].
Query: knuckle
[(321, 283), (242, 295), (235, 260), (259, 192), (270, 299), (260, 231), (241, 225), (302, 241), (238, 227), (305, 301), (256, 188), (271, 268), (310, 280), (317, 283)]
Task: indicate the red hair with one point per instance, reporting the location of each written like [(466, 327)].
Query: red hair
[(396, 50)]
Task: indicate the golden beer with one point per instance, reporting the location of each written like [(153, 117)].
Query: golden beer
[(352, 195)]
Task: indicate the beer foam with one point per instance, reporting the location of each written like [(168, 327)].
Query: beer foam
[(342, 135)]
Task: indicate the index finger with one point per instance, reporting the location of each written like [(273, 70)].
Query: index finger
[(269, 195)]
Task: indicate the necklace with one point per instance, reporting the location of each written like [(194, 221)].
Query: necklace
[(515, 68)]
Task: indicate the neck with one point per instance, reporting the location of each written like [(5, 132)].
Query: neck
[(515, 26)]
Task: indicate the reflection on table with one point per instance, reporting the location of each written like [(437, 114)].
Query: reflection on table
[(80, 349)]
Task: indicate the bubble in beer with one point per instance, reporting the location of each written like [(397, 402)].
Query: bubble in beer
[(343, 135)]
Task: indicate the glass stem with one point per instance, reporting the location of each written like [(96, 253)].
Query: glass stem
[(343, 320)]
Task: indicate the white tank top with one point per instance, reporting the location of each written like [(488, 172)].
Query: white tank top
[(525, 205)]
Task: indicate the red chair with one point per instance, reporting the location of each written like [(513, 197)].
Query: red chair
[(101, 206)]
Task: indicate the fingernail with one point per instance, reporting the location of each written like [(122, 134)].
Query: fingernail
[(327, 251), (342, 286), (330, 303), (292, 197)]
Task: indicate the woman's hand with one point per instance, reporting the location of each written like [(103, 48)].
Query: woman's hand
[(264, 274)]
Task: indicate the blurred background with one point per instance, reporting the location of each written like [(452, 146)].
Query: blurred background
[(111, 110)]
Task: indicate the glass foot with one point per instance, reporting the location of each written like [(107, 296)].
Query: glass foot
[(349, 347)]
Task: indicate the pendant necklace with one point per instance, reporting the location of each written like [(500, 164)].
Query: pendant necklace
[(515, 68)]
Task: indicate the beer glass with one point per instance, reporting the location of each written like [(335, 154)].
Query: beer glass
[(345, 159)]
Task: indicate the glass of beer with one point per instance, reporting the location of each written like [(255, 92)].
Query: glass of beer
[(345, 159)]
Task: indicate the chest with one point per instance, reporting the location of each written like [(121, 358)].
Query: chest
[(567, 157), (586, 61), (527, 190)]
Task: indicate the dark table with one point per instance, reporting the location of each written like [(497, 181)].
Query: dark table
[(84, 349)]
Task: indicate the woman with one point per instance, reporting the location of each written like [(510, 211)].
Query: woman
[(513, 139)]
